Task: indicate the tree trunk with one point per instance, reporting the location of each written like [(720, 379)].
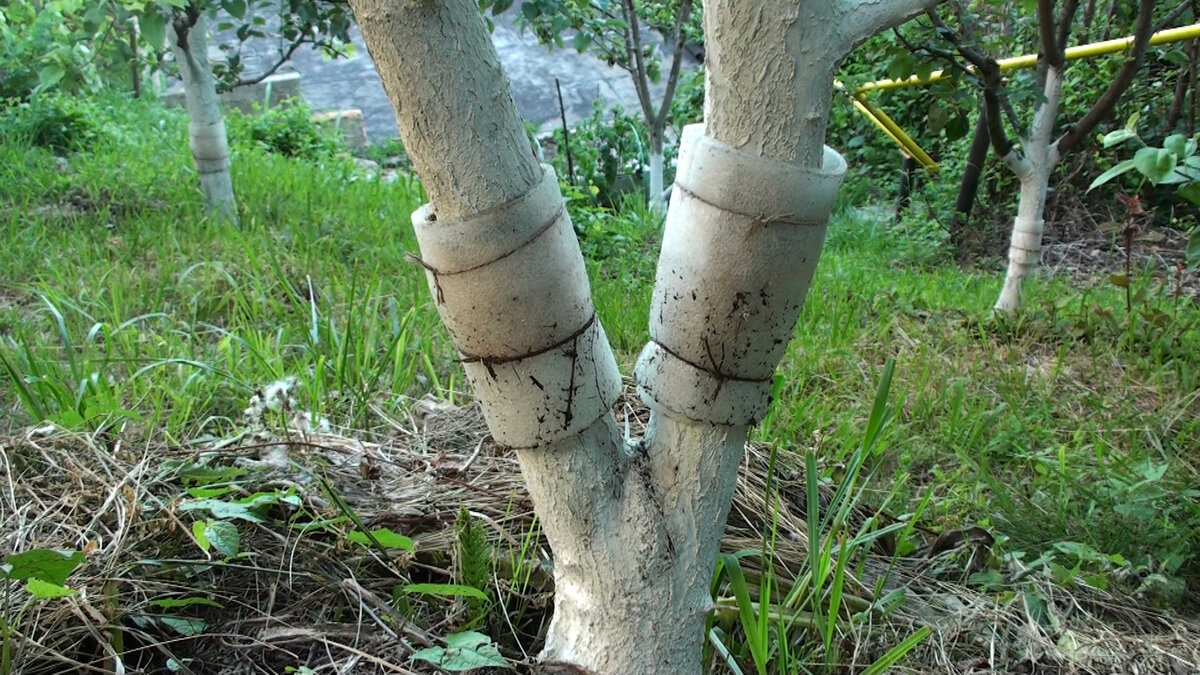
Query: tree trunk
[(206, 128), (657, 200), (968, 187), (635, 526), (1025, 250), (908, 168)]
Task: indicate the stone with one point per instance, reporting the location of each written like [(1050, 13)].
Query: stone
[(349, 123)]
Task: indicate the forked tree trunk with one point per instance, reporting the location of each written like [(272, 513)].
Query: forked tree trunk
[(206, 128), (634, 526)]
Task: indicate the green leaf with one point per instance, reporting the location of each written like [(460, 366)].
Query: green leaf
[(1191, 192), (44, 590), (1178, 145), (222, 510), (175, 603), (1193, 248), (464, 651), (385, 538), (198, 528), (153, 27), (1117, 137), (581, 41), (1156, 164), (185, 626), (43, 564), (1119, 169), (449, 590), (50, 75), (224, 537), (236, 8)]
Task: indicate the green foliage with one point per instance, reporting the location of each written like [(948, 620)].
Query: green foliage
[(56, 122), (64, 44), (1175, 163), (44, 572), (609, 153), (287, 130)]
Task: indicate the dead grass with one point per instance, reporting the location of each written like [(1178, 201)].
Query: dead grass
[(313, 598)]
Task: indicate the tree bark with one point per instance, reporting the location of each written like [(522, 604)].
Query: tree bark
[(206, 128), (459, 124)]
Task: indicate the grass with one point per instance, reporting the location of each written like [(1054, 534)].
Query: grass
[(1067, 433)]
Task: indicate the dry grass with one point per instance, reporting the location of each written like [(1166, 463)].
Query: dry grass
[(313, 598)]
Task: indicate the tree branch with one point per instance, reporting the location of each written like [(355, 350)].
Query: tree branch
[(1104, 105), (283, 58), (1051, 51), (634, 45), (990, 82), (860, 19), (677, 40), (1170, 18), (1064, 23)]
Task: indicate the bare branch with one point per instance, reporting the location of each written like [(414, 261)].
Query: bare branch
[(1170, 18), (283, 58), (1104, 105)]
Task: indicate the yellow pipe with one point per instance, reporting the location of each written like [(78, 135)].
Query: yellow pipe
[(1030, 60), (893, 130)]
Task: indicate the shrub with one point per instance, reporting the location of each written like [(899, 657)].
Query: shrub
[(286, 130), (53, 121)]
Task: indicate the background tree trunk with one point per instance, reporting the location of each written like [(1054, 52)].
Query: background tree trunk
[(206, 128)]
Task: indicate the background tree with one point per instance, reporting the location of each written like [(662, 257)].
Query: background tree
[(634, 526), (615, 31), (181, 24)]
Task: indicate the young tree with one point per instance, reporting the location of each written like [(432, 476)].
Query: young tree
[(182, 24), (614, 31), (1039, 152), (634, 526)]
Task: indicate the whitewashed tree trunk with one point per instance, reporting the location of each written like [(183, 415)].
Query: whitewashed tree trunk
[(1033, 167), (206, 128), (634, 524), (658, 201)]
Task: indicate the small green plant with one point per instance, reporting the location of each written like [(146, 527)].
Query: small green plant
[(44, 572), (817, 601), (608, 152), (1174, 163)]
